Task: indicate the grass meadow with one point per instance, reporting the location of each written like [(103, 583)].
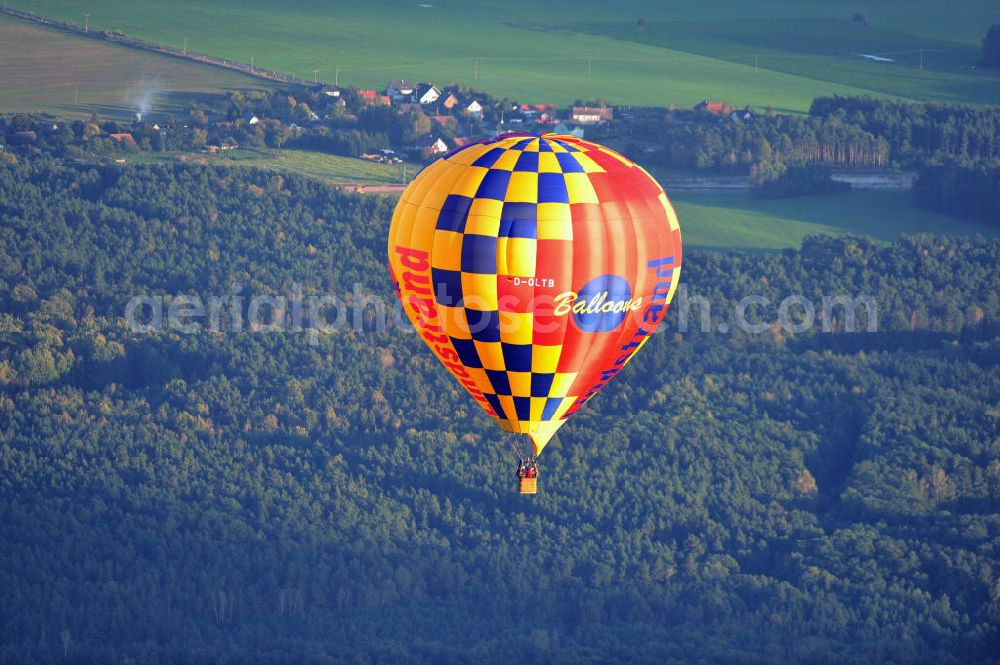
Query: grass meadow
[(331, 169), (739, 221)]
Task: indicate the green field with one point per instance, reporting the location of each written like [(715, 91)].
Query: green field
[(561, 51), (43, 69), (741, 222), (827, 49), (331, 169)]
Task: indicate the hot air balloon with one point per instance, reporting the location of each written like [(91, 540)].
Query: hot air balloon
[(534, 267)]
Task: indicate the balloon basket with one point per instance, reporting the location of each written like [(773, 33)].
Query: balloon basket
[(527, 485)]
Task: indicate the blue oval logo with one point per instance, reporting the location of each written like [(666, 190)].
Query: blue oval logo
[(602, 303)]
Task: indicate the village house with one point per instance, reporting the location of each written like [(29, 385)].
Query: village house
[(744, 115), (590, 115), (399, 90), (328, 90), (372, 97), (715, 108), (542, 114), (474, 108), (123, 138), (450, 101), (435, 146), (426, 93), (535, 109)]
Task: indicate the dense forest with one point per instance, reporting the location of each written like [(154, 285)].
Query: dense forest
[(919, 132), (964, 190), (699, 140), (839, 131), (242, 496)]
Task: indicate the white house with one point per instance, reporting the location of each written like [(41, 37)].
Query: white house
[(426, 93), (437, 146), (475, 108), (328, 90)]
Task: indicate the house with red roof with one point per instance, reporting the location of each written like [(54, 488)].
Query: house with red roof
[(715, 108), (538, 108), (125, 138)]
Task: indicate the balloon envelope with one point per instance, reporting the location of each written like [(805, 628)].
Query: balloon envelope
[(534, 267)]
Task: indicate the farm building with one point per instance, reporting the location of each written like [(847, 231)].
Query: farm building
[(589, 115)]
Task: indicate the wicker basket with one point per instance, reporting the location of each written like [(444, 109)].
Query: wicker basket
[(528, 485)]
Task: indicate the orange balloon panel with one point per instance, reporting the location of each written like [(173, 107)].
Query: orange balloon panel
[(534, 267)]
